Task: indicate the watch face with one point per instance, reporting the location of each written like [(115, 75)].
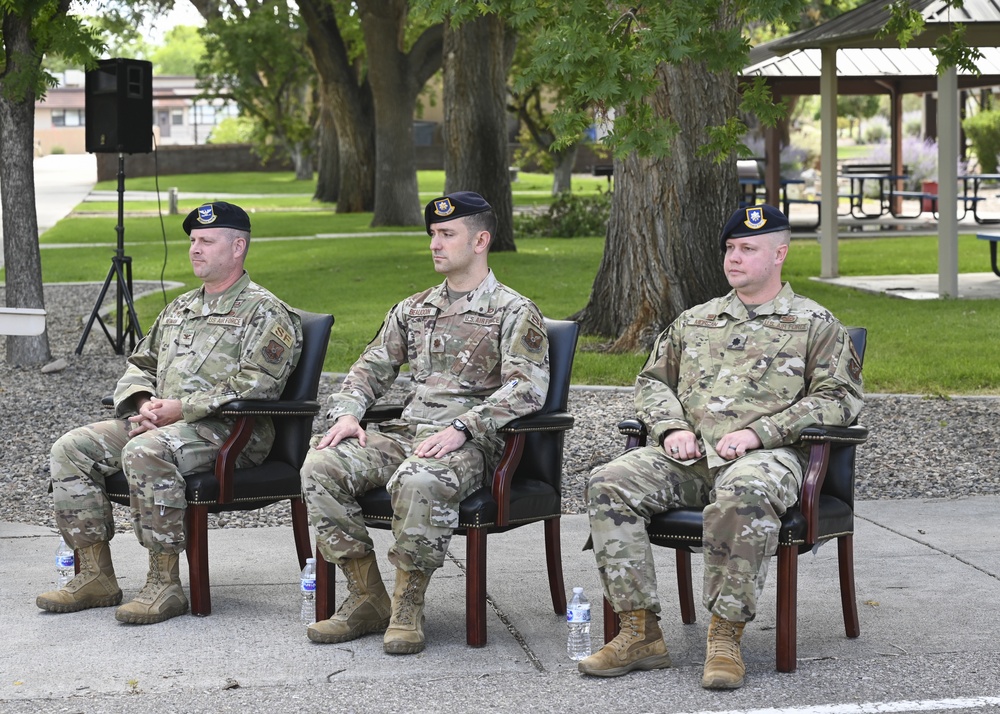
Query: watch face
[(459, 425)]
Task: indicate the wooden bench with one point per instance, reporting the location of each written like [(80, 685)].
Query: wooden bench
[(805, 201), (603, 170)]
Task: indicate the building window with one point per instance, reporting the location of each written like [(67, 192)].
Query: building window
[(68, 117), (212, 114), (177, 117)]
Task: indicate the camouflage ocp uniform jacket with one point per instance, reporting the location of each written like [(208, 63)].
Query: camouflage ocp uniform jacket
[(242, 345), (482, 359), (717, 369)]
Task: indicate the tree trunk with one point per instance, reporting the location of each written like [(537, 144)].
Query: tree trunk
[(662, 254), (328, 167), (17, 176), (562, 176), (350, 104), (477, 57), (302, 160), (394, 80)]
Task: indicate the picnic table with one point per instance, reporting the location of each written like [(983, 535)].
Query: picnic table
[(992, 238), (974, 199)]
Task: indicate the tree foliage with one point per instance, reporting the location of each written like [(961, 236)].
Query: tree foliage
[(30, 29), (253, 54), (182, 50)]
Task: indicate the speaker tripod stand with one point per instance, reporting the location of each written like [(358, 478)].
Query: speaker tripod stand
[(121, 273)]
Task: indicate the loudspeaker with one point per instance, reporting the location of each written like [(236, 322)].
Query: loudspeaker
[(119, 107)]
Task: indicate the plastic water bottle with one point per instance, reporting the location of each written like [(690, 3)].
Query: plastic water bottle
[(65, 564), (578, 619), (307, 587)]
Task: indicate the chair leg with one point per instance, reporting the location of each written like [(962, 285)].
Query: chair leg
[(685, 588), (845, 559), (326, 588), (300, 530), (787, 604), (611, 624), (475, 588), (197, 555), (553, 559)]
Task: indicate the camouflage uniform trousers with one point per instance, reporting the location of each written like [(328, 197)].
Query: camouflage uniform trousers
[(425, 494), (744, 501), (154, 463)]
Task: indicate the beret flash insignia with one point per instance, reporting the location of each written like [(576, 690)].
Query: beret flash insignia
[(444, 207), (206, 213), (755, 218)]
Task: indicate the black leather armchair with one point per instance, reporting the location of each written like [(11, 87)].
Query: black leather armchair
[(825, 511), (525, 487), (228, 488)]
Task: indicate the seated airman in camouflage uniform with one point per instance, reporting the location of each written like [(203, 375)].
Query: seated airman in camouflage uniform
[(229, 339), (478, 357), (725, 393)]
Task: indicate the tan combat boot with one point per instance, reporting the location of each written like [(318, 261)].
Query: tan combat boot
[(639, 645), (365, 610), (161, 598), (724, 667), (406, 628), (94, 586)]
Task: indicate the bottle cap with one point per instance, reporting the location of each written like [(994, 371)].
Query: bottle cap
[(578, 590), (310, 560)]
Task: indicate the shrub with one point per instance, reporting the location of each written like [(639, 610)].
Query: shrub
[(919, 157), (983, 130), (799, 155), (913, 123), (569, 215), (876, 129), (57, 150)]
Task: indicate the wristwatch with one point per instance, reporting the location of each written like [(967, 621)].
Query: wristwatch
[(459, 425)]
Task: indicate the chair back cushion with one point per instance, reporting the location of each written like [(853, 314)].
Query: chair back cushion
[(291, 435), (839, 481), (562, 348), (543, 451)]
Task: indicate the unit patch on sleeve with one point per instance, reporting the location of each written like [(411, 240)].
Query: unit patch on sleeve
[(273, 351)]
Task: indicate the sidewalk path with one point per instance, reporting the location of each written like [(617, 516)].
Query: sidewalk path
[(62, 181), (925, 585)]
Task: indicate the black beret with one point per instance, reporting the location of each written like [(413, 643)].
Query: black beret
[(454, 205), (753, 220), (217, 215)]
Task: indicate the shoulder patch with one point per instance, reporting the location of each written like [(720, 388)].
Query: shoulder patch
[(273, 352), (532, 340), (282, 334)]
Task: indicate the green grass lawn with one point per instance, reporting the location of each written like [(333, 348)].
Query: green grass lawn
[(924, 347)]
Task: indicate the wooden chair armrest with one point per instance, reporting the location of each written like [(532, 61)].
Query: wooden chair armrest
[(634, 431), (503, 474), (270, 407), (246, 412), (381, 412), (514, 434), (855, 434), (820, 440), (553, 421)]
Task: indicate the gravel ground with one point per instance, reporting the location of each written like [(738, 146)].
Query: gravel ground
[(919, 448)]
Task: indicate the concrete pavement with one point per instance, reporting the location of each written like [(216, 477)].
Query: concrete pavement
[(928, 575)]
